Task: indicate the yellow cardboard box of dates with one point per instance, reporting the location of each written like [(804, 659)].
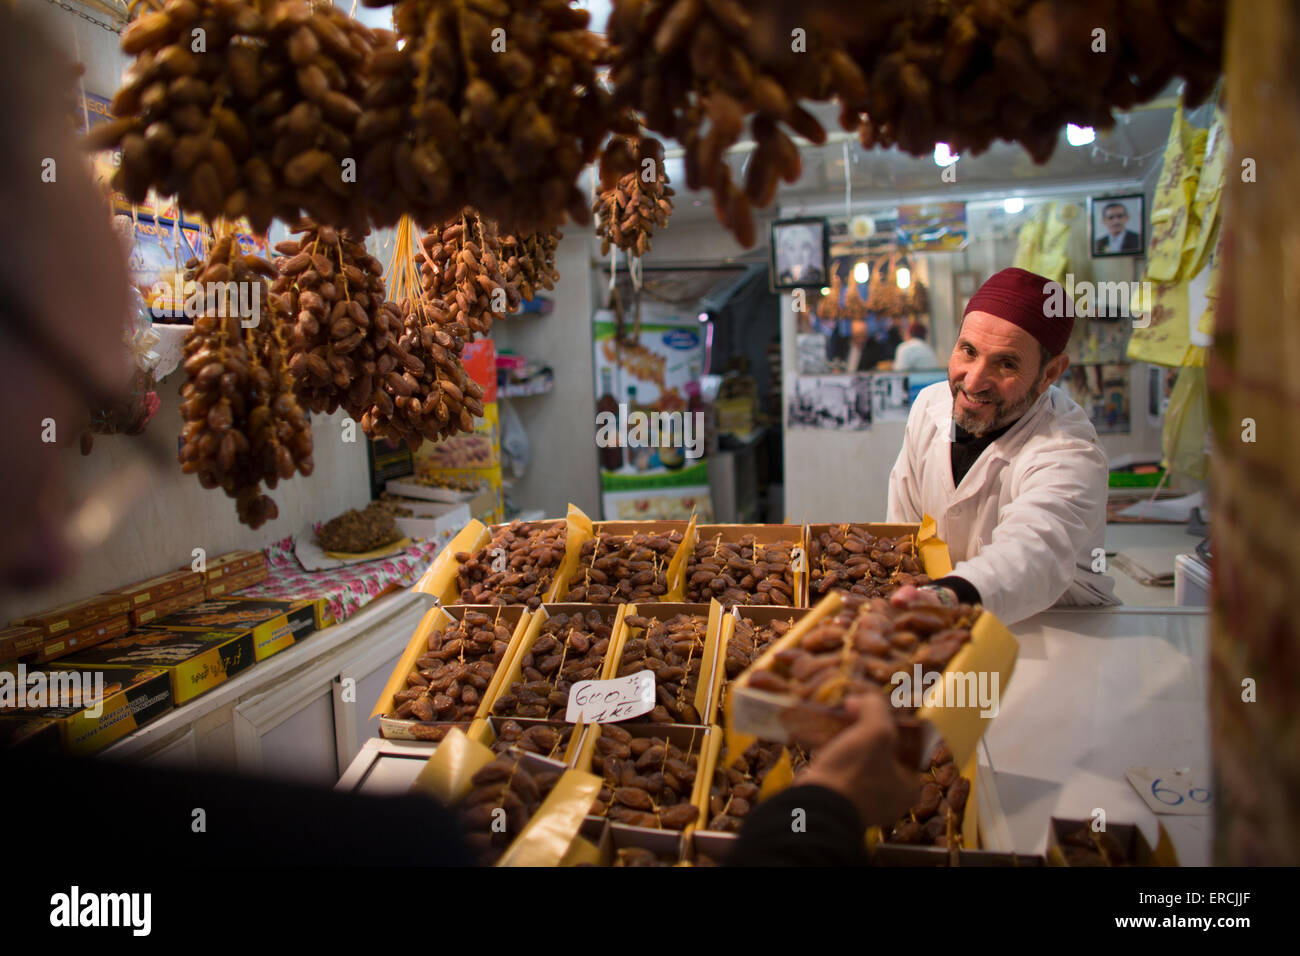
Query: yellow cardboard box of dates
[(723, 542), (549, 833), (395, 725), (957, 692), (588, 587), (836, 566), (442, 577)]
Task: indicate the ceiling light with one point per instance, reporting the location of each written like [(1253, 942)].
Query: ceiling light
[(1079, 135), (943, 156), (1013, 205)]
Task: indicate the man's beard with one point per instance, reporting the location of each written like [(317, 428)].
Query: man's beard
[(1004, 413)]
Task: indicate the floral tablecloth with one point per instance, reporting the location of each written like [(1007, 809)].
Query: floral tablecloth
[(348, 589)]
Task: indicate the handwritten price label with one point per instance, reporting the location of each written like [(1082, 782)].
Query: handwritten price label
[(1179, 791), (609, 701)]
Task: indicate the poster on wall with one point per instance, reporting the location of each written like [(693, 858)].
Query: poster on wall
[(932, 227), (1117, 225), (1103, 393), (1103, 343), (836, 402), (890, 399), (649, 434)]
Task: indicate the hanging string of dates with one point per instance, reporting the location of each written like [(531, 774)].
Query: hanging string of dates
[(243, 424), (632, 206)]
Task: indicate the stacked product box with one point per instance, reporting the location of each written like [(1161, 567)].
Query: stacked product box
[(85, 707), (195, 661), (71, 627), (271, 625)]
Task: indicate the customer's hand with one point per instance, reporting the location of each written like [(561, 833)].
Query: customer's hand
[(859, 763)]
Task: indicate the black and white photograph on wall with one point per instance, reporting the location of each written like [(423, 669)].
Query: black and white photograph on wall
[(836, 402), (800, 252), (1103, 393), (1117, 225), (890, 398), (1103, 341)]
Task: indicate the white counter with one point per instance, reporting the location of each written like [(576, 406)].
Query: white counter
[(1094, 693)]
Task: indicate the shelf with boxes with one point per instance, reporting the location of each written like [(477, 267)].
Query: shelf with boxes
[(159, 643)]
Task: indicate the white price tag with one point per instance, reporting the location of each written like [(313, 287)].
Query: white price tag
[(609, 701), (1178, 790)]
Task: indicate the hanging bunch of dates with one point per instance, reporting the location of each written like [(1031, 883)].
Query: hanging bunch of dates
[(344, 341), (528, 264), (434, 398), (505, 109), (243, 424), (244, 108), (697, 70), (969, 72), (631, 209), (461, 266), (430, 396)]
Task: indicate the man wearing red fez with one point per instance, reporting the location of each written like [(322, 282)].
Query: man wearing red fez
[(1009, 467)]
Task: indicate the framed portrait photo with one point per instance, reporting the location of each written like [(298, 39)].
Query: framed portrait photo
[(1117, 225), (800, 252)]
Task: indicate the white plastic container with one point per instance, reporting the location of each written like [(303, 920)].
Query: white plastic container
[(1191, 581)]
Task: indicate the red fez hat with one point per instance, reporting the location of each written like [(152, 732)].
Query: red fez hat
[(1020, 297)]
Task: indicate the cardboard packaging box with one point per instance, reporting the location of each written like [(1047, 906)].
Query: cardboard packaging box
[(926, 544), (36, 736), (156, 589), (231, 562), (229, 584), (764, 534), (273, 625), (989, 656), (20, 641), (57, 647), (676, 571), (392, 727), (441, 577), (432, 521), (148, 613), (705, 699), (1075, 843), (73, 617), (131, 698), (702, 742), (550, 834), (195, 661)]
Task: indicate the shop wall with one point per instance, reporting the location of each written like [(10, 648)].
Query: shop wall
[(561, 424), (179, 514)]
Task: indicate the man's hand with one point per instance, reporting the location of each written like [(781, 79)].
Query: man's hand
[(909, 595), (859, 763)]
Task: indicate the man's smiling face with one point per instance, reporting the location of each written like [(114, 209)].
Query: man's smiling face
[(996, 372)]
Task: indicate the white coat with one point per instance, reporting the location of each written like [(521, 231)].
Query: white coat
[(1024, 524)]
